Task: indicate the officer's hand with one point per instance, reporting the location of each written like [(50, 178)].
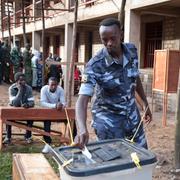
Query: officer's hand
[(20, 87), (82, 139), (59, 106), (148, 116)]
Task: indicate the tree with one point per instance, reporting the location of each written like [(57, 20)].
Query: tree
[(71, 70), (177, 135), (24, 23), (2, 15), (43, 37), (9, 22), (121, 14)]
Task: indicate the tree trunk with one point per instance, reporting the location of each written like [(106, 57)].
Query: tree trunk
[(2, 15), (177, 135), (71, 70), (24, 23), (9, 23), (43, 36), (121, 14)]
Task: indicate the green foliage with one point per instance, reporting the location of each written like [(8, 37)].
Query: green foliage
[(5, 166)]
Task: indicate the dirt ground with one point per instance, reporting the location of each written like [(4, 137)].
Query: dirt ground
[(160, 139)]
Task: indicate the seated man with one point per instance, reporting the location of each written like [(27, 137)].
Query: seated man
[(20, 95), (52, 96)]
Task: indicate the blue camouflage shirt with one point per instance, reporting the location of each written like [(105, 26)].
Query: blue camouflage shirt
[(115, 88)]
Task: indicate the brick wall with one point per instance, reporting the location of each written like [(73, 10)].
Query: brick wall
[(147, 79), (158, 101), (169, 26)]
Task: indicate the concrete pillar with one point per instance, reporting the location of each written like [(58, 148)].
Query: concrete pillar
[(132, 27), (13, 42), (36, 40), (34, 7), (67, 54), (62, 48), (51, 48), (67, 4), (14, 21)]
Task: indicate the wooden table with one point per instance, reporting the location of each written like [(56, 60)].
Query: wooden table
[(13, 115), (32, 167)]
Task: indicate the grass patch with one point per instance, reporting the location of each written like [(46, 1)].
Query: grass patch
[(53, 163), (7, 153), (6, 166)]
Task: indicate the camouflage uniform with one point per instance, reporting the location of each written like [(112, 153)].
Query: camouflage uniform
[(16, 59), (27, 66), (6, 62), (115, 113)]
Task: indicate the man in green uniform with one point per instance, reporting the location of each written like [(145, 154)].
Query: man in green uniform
[(27, 64), (6, 61), (16, 57)]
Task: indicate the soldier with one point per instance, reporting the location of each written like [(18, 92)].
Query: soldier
[(27, 64), (114, 71), (16, 57), (6, 61)]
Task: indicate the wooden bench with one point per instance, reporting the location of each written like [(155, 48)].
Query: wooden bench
[(14, 116), (32, 167)]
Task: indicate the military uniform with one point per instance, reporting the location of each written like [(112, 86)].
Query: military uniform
[(16, 59), (6, 62), (27, 66), (115, 113)]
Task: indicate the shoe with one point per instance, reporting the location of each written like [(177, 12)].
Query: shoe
[(29, 140), (7, 140), (46, 149)]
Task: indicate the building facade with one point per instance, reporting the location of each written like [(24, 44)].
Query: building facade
[(150, 25)]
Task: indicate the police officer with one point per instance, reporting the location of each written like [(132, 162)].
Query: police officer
[(114, 71)]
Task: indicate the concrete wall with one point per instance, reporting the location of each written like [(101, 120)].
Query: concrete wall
[(134, 4)]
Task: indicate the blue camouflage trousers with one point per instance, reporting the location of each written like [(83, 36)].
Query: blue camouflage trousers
[(110, 126)]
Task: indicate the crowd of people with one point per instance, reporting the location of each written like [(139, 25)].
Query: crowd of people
[(30, 63)]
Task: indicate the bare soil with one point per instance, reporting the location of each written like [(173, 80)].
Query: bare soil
[(160, 139)]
